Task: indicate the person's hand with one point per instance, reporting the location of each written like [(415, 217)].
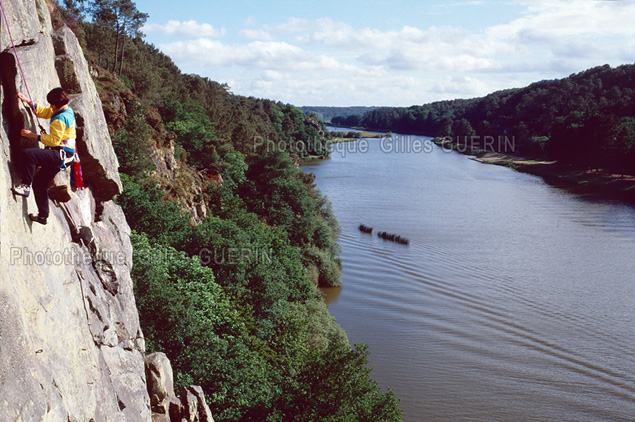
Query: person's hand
[(28, 134), (23, 97)]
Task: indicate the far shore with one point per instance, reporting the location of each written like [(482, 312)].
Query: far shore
[(350, 136), (594, 182)]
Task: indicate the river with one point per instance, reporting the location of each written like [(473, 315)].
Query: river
[(515, 300)]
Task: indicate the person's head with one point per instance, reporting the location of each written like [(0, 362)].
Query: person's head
[(58, 98)]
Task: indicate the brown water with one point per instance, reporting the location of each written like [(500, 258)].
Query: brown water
[(515, 300)]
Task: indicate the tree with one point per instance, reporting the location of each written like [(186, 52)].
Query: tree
[(131, 21), (75, 8), (98, 38), (193, 129), (445, 127), (620, 147), (122, 18), (462, 128), (228, 299), (133, 144), (295, 364), (277, 192)]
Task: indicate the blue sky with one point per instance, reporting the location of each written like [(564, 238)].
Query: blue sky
[(397, 53)]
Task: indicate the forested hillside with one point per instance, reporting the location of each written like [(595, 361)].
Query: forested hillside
[(586, 120), (326, 114), (230, 237)]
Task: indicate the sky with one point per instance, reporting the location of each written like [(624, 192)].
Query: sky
[(392, 53)]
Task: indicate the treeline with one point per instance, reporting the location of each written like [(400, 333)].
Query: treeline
[(326, 113), (354, 120), (231, 297), (243, 122), (586, 120)]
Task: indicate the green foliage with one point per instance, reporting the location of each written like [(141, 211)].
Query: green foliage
[(575, 120), (343, 388), (353, 120), (117, 20), (193, 129), (256, 263), (127, 81), (462, 128), (277, 192), (620, 147), (133, 144), (321, 328), (229, 298), (147, 212), (536, 146), (327, 265), (251, 374), (326, 114), (186, 314)]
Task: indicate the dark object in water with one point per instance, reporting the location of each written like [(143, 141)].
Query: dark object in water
[(365, 229), (393, 238)]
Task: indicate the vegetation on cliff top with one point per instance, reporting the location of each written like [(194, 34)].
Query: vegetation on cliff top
[(226, 288)]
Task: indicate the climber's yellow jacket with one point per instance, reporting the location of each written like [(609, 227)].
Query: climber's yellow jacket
[(62, 126)]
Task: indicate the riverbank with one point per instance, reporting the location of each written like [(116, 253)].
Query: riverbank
[(350, 136), (580, 181), (346, 136)]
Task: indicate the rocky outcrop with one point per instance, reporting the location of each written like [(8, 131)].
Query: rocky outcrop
[(312, 121), (165, 163), (166, 407), (71, 348), (93, 140)]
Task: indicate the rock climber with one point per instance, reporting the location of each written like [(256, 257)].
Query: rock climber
[(59, 149)]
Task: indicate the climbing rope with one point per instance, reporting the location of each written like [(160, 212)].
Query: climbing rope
[(15, 52)]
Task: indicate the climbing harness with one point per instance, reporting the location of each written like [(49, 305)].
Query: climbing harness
[(15, 52)]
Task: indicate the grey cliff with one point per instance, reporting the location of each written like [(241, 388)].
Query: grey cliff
[(71, 348)]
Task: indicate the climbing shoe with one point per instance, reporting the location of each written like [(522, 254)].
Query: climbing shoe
[(37, 218), (22, 190)]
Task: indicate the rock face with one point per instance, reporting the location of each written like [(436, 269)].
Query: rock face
[(166, 407), (71, 348)]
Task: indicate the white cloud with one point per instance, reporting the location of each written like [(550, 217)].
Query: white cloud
[(256, 34), (551, 22), (206, 51), (328, 61), (406, 49), (251, 21), (295, 25), (186, 29), (627, 52), (269, 55), (459, 86), (392, 90), (272, 75)]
